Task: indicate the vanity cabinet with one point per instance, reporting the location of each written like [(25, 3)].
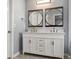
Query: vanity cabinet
[(47, 44)]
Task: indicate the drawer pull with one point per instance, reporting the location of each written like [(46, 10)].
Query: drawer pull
[(53, 43), (29, 41)]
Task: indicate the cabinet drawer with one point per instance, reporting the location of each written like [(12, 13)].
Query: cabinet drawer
[(41, 46)]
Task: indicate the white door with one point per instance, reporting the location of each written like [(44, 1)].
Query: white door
[(9, 21)]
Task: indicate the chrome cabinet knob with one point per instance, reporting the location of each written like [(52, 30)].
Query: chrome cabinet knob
[(52, 42), (29, 41), (9, 31)]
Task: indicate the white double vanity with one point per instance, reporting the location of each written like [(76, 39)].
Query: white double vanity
[(46, 44)]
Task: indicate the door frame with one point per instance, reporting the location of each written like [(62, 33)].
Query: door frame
[(12, 29), (10, 10), (9, 33)]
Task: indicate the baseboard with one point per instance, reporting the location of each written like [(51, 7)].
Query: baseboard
[(9, 58), (67, 55), (18, 53)]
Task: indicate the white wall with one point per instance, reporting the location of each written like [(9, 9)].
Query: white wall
[(18, 24)]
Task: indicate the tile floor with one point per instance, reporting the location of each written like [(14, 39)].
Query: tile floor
[(27, 56)]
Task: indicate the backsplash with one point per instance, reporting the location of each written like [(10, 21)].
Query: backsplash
[(45, 29)]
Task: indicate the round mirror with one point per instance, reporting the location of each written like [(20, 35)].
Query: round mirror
[(35, 18)]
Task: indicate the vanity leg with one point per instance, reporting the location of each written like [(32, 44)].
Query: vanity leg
[(23, 53), (63, 57)]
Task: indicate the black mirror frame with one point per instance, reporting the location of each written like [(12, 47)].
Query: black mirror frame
[(54, 25), (40, 22)]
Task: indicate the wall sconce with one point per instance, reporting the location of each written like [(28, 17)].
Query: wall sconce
[(42, 1)]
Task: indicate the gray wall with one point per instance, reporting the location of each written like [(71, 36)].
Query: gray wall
[(67, 26), (31, 5), (69, 23), (18, 24)]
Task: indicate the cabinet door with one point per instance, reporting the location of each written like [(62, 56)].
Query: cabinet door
[(29, 45), (59, 48), (25, 44), (49, 48), (32, 45), (41, 46)]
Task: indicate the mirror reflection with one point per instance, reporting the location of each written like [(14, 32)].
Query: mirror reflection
[(58, 19)]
